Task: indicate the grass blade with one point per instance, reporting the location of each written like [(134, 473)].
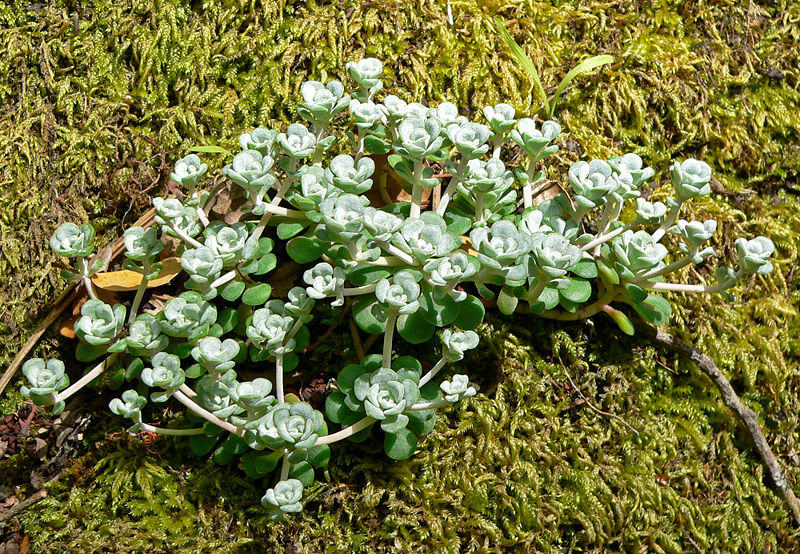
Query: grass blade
[(524, 60), (583, 67), (210, 150)]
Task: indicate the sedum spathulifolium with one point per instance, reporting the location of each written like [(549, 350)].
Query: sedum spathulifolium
[(410, 272)]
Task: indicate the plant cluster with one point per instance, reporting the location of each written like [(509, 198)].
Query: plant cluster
[(413, 275)]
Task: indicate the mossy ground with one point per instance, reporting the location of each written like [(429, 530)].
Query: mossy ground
[(96, 101)]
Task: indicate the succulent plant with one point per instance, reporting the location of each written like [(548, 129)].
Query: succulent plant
[(130, 405), (400, 268), (754, 254), (400, 295), (297, 424)]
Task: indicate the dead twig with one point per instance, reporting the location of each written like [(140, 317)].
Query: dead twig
[(594, 408), (356, 340), (370, 341), (732, 401), (64, 300), (22, 506), (331, 329)]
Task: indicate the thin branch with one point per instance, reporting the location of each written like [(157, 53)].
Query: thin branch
[(594, 408), (356, 340), (732, 401)]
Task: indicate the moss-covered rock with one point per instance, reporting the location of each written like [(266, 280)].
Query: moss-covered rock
[(96, 102)]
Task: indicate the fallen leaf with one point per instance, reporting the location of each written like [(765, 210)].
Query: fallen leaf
[(126, 280), (67, 327)]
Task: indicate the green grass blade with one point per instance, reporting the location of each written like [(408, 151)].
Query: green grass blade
[(583, 67), (210, 150), (524, 60)]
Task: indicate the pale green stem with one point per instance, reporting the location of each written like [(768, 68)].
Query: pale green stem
[(223, 279), (285, 465), (428, 406), (527, 190), (166, 431), (451, 186), (392, 249), (346, 432), (355, 291), (137, 300), (498, 148), (479, 207), (262, 223), (362, 133), (187, 391), (201, 214), (279, 377), (83, 381), (184, 237), (87, 281), (269, 207), (387, 340), (607, 237), (318, 150), (679, 287), (674, 266), (533, 296), (671, 217), (416, 190), (432, 373), (205, 414)]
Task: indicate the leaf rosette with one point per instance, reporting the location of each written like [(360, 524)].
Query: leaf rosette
[(130, 405), (187, 316), (636, 253), (401, 295), (385, 395), (322, 102), (534, 142), (457, 388), (142, 244), (754, 255), (691, 178), (295, 425), (99, 323), (227, 243), (269, 328), (188, 171), (324, 280), (284, 497), (165, 373), (72, 241), (259, 139), (349, 176), (297, 141), (44, 379), (250, 170)]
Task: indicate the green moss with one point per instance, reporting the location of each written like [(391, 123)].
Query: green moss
[(95, 103)]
